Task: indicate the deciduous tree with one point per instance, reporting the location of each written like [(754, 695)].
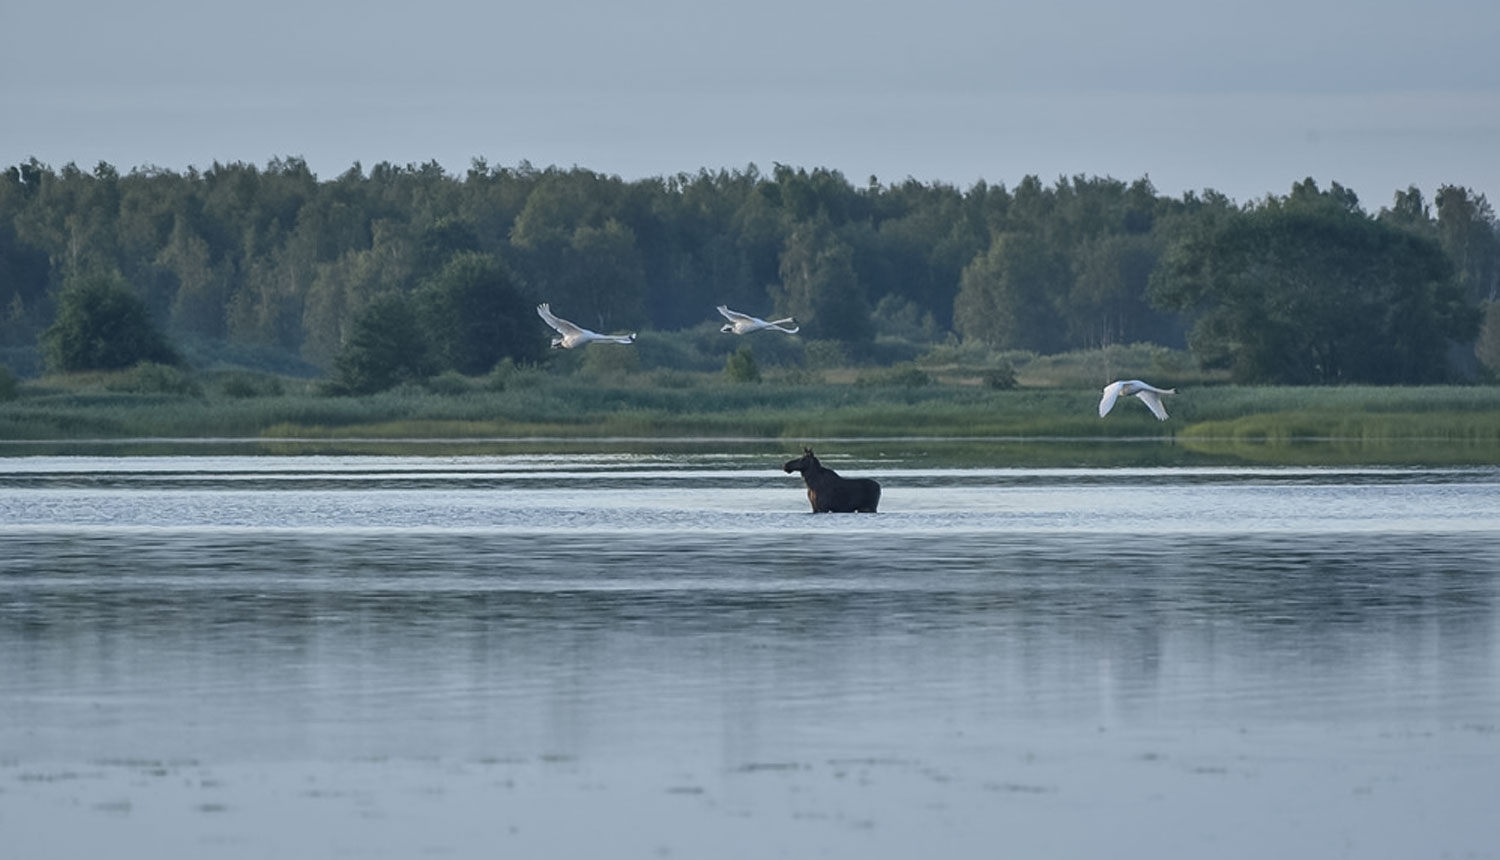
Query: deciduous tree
[(1008, 297), (475, 314), (386, 347), (1309, 289), (819, 285), (101, 325)]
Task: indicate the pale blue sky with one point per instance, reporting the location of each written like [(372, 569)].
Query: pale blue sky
[(1245, 98)]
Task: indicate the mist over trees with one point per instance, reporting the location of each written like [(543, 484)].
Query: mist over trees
[(398, 272)]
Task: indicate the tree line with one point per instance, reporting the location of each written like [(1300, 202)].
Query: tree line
[(404, 271)]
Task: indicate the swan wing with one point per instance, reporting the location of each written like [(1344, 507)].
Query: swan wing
[(1107, 402), (565, 328), (1153, 402), (734, 316), (1134, 386)]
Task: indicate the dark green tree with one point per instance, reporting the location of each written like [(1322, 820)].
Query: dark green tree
[(1409, 210), (1008, 297), (386, 347), (1308, 289), (919, 248), (1107, 303), (602, 276), (819, 285), (101, 325), (475, 314), (200, 296), (1470, 236), (440, 241)]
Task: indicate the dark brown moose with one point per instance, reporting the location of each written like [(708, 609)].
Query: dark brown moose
[(829, 492)]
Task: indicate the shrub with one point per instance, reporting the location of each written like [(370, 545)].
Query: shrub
[(151, 378), (741, 366), (601, 360), (449, 382), (1002, 377)]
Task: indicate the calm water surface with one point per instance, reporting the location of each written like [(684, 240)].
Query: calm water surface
[(632, 656)]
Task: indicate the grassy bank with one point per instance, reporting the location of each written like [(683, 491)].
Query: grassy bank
[(1219, 422)]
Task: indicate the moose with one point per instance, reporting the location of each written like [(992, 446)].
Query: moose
[(829, 492)]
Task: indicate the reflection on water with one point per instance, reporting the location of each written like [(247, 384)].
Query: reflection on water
[(239, 656)]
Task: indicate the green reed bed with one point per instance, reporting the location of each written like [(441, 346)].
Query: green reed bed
[(1218, 419), (1438, 425), (1232, 402), (738, 411), (1477, 426), (121, 416), (1355, 413)]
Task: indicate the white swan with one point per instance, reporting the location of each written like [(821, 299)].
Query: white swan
[(575, 335), (1149, 395), (744, 323)]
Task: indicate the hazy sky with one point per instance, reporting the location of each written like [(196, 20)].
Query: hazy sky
[(1245, 98)]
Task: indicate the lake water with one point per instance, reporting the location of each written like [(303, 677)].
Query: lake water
[(640, 656)]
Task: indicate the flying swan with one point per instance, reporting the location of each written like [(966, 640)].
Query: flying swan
[(744, 323), (574, 335), (1149, 395)]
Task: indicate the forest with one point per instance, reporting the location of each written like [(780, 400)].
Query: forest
[(402, 273)]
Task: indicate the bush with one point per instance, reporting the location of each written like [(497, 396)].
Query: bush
[(741, 366), (152, 378), (702, 350), (449, 382), (1001, 377), (507, 375), (606, 360)]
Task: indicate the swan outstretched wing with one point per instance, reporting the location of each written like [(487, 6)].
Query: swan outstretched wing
[(1153, 402), (745, 323), (1111, 394), (735, 316), (565, 328)]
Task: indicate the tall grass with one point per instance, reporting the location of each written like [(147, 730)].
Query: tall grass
[(706, 406), (1235, 422)]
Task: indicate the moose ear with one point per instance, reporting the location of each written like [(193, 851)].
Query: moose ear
[(806, 450)]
